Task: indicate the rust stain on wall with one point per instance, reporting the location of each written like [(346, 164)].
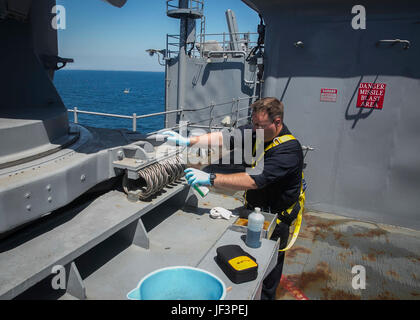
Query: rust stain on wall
[(370, 257), (331, 294), (385, 296), (372, 233), (394, 274), (344, 244), (321, 228), (303, 280), (295, 250), (337, 235)]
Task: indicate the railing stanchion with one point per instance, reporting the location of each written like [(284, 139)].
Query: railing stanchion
[(134, 122), (75, 115), (237, 112)]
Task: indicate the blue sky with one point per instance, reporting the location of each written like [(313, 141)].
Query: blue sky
[(99, 36)]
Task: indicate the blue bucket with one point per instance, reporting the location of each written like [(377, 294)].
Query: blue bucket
[(179, 283)]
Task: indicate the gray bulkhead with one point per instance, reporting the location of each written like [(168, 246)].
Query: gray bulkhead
[(32, 114), (45, 163), (366, 162), (218, 83)]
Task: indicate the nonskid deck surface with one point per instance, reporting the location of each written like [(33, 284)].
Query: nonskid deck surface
[(181, 239), (319, 265), (29, 256), (178, 233)]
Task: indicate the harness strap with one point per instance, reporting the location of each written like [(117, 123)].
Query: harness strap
[(296, 209), (276, 142), (298, 205)]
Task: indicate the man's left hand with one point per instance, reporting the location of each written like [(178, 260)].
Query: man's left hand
[(195, 176)]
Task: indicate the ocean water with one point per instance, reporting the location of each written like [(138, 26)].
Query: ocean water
[(103, 91)]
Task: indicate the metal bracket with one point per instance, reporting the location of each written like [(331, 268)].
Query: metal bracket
[(140, 237), (136, 234), (192, 200), (299, 44), (306, 149), (406, 44), (211, 114), (75, 286), (52, 62)]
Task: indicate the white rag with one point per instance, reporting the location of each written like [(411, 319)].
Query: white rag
[(219, 212)]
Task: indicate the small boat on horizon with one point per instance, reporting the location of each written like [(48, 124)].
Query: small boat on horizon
[(126, 90)]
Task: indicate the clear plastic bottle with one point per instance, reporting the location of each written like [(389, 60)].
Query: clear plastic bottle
[(201, 190), (254, 230)]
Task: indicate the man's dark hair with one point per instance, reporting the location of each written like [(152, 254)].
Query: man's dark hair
[(272, 106)]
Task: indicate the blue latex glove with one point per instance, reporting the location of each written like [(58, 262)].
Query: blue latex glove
[(177, 138), (197, 177)]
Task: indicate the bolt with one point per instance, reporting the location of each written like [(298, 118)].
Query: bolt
[(82, 177), (48, 187), (27, 195), (299, 44), (49, 199), (28, 207)]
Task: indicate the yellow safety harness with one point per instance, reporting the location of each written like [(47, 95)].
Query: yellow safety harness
[(301, 200)]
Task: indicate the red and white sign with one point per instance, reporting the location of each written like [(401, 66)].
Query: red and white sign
[(328, 95), (371, 95)]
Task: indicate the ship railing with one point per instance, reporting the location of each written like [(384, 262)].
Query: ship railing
[(134, 116), (196, 5), (215, 44), (235, 110)]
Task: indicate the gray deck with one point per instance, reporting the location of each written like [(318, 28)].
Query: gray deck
[(29, 256), (181, 239), (320, 263)]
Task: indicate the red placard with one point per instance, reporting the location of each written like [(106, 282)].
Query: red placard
[(371, 95), (328, 95)]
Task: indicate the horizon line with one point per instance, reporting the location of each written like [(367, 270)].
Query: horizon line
[(111, 70)]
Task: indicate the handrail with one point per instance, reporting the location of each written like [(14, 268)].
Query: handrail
[(193, 4), (100, 113), (175, 35), (221, 103), (242, 53), (112, 115), (221, 39), (157, 113), (134, 116)]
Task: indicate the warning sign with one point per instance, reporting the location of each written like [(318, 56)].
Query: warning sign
[(371, 95), (328, 95)]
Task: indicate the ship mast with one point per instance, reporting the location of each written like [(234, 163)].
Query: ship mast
[(187, 11)]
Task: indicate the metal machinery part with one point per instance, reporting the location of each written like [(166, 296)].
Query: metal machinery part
[(153, 178)]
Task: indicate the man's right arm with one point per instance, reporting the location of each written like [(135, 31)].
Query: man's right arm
[(212, 139)]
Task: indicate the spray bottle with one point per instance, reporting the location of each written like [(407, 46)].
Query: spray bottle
[(201, 190), (254, 230)]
